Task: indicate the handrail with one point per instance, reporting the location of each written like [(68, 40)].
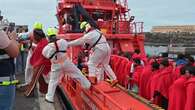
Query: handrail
[(143, 100), (106, 98), (137, 27), (109, 98)]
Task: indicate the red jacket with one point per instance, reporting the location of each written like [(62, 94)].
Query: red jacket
[(38, 59), (177, 94), (152, 85), (176, 71), (165, 80), (137, 74), (140, 56), (144, 79), (190, 94)]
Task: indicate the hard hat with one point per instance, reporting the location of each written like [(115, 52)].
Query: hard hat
[(51, 32), (38, 25), (83, 24)]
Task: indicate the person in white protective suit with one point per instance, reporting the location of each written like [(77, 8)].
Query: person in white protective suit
[(32, 46), (99, 59), (56, 52)]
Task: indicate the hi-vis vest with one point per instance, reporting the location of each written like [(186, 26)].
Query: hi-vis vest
[(7, 67)]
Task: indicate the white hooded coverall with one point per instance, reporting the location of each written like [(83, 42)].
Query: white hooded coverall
[(61, 63), (99, 59), (28, 67)]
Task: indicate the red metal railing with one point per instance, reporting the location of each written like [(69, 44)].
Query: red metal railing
[(121, 27), (98, 99), (85, 2), (137, 27)]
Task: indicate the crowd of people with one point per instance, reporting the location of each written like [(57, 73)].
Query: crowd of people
[(42, 64), (167, 82), (47, 59)]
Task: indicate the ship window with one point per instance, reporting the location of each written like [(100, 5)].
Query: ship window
[(126, 46)]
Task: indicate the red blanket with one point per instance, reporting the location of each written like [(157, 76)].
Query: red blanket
[(176, 72), (137, 74), (38, 59), (190, 93), (144, 79), (152, 83), (177, 94), (165, 80)]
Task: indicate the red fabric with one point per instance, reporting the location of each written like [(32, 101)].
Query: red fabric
[(165, 80), (38, 59), (177, 94), (115, 61), (137, 74), (144, 79), (43, 86), (176, 72), (136, 56), (140, 56), (127, 73), (190, 94), (121, 67), (123, 71), (153, 84)]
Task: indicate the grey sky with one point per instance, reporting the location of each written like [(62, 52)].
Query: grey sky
[(163, 12), (151, 12), (30, 11)]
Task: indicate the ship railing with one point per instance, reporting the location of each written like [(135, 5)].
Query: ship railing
[(87, 2), (92, 97), (137, 27), (106, 99), (69, 1), (122, 2), (121, 27)]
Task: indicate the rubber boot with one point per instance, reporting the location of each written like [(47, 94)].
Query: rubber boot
[(114, 83), (93, 80)]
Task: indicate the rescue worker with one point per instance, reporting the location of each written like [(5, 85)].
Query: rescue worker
[(32, 46), (99, 59), (8, 51), (56, 52), (41, 65)]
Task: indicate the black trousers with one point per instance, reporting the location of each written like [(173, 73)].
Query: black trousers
[(164, 103)]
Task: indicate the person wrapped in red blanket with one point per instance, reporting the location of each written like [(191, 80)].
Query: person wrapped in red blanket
[(41, 65), (145, 81), (190, 91), (164, 81), (177, 92)]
